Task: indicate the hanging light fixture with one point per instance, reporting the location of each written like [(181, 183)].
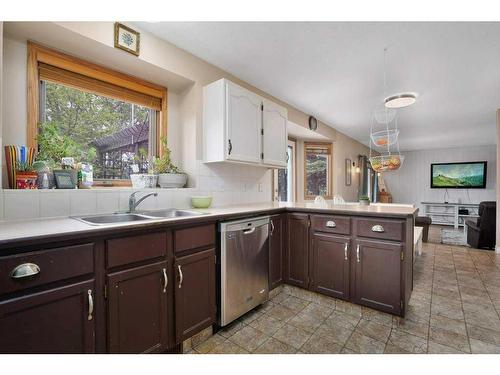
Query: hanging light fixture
[(401, 100), (389, 135)]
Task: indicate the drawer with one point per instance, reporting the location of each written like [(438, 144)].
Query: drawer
[(126, 250), (331, 224), (380, 228), (47, 265), (194, 237)]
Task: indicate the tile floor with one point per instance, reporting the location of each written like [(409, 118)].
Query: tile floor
[(455, 308)]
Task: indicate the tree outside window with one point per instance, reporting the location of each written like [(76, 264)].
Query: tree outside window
[(317, 170)]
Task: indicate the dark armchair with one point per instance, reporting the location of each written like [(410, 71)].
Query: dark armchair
[(481, 232)]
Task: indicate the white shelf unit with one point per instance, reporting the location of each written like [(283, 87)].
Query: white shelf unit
[(448, 213)]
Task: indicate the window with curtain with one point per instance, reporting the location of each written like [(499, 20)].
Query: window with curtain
[(317, 170), (94, 114)]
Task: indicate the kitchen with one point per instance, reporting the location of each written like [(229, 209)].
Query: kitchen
[(154, 202)]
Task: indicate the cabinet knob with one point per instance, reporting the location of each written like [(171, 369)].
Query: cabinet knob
[(331, 224), (378, 229), (25, 270)]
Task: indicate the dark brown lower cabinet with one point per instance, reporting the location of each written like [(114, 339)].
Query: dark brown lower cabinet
[(297, 250), (59, 321), (330, 265), (195, 304), (276, 238), (377, 275), (137, 309)]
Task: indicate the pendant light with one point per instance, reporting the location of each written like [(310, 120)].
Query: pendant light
[(388, 136)]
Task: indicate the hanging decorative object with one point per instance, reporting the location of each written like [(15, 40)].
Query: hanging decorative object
[(384, 136)]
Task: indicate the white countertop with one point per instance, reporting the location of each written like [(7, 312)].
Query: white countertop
[(46, 227)]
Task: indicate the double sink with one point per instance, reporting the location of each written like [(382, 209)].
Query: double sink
[(127, 217)]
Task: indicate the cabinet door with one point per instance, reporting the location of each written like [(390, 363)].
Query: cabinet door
[(195, 305), (137, 309), (377, 278), (330, 257), (296, 255), (57, 321), (274, 139), (244, 124), (276, 237)]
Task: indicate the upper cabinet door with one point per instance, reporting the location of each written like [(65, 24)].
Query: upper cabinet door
[(275, 140), (244, 124)]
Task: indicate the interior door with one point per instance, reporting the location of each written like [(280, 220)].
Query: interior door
[(274, 139), (137, 310), (55, 321), (244, 124)]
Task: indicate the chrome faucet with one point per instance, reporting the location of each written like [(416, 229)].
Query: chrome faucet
[(133, 203)]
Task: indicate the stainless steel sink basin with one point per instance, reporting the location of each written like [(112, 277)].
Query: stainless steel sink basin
[(111, 218), (170, 213), (137, 216)]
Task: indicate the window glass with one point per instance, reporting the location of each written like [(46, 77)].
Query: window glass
[(112, 135), (317, 170)]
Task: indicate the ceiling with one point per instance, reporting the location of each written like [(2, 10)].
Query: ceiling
[(334, 71)]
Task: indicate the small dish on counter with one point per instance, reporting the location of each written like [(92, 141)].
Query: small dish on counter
[(201, 201)]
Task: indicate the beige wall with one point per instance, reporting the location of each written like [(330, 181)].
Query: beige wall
[(343, 147), (497, 247), (165, 63)]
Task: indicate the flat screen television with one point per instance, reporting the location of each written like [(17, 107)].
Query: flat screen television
[(466, 175)]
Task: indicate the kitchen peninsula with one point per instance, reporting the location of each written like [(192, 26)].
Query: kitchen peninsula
[(67, 273)]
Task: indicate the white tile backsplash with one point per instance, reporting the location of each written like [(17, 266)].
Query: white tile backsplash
[(228, 185), (54, 203), (23, 204)]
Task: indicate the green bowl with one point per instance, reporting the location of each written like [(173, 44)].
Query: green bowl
[(201, 202)]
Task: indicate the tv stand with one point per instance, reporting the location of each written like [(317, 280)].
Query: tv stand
[(448, 213)]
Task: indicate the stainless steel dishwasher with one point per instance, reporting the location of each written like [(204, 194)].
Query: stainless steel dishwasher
[(244, 266)]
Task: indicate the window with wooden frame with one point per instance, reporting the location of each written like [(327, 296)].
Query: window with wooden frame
[(96, 115), (317, 170)]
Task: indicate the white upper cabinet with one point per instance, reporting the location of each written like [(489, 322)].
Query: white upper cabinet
[(275, 138), (240, 126), (244, 124)]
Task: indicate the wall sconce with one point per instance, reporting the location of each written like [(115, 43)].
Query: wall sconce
[(356, 168)]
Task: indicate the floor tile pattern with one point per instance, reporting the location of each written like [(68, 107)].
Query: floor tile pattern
[(455, 308)]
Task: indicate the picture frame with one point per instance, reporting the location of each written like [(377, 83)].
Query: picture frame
[(348, 172), (65, 179), (127, 39)]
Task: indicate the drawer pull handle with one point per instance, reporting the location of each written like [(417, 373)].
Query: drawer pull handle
[(165, 280), (25, 270), (331, 224), (181, 276), (346, 247), (378, 229), (358, 258), (91, 304)]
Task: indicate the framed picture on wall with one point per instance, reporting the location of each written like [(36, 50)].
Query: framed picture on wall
[(127, 39), (348, 172)]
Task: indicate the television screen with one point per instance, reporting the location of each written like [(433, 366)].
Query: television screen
[(468, 175)]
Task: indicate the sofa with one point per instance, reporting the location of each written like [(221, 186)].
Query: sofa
[(481, 231)]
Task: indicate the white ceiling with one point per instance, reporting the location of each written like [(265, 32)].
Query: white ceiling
[(334, 71)]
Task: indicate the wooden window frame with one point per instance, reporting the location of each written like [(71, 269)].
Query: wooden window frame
[(329, 179), (38, 54)]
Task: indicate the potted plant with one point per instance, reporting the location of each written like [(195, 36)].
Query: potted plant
[(143, 180), (26, 176), (364, 200), (169, 176)]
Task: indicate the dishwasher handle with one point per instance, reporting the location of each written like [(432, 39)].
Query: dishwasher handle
[(249, 231)]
